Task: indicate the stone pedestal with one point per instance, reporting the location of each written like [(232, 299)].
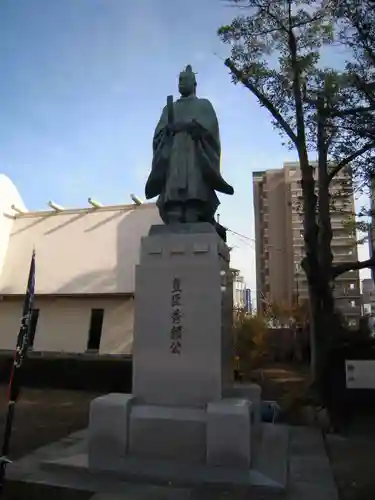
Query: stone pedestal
[(229, 433), (185, 408), (168, 433), (108, 429), (182, 320)]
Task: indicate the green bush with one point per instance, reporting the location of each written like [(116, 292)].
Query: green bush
[(250, 341)]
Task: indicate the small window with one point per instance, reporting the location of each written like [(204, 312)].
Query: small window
[(352, 303), (33, 324), (351, 286), (95, 331)]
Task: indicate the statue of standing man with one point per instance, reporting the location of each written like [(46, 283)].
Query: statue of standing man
[(185, 169)]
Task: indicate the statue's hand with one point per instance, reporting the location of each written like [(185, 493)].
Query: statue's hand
[(176, 127), (191, 128), (194, 129)]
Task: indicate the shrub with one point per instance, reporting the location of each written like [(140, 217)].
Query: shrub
[(95, 373), (250, 342)]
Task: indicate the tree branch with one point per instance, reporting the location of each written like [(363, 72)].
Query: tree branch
[(339, 269), (365, 39), (354, 128), (262, 99), (343, 163), (353, 111)]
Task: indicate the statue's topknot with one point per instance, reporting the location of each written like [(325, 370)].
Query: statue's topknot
[(189, 70)]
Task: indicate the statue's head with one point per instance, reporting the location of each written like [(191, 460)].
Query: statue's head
[(187, 83)]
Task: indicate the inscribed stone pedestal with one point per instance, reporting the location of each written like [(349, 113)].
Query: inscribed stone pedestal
[(182, 336)]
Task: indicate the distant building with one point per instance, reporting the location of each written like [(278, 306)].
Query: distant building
[(248, 306), (85, 264), (368, 295), (280, 245), (239, 290)]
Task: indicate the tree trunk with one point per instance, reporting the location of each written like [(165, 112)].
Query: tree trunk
[(310, 228), (324, 219), (322, 295), (311, 266)]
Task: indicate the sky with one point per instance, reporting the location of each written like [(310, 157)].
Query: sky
[(82, 86)]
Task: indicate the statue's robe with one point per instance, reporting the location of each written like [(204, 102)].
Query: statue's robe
[(186, 169)]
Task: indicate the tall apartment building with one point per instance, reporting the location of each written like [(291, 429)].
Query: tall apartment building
[(280, 245)]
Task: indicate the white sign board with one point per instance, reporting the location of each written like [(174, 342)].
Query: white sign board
[(360, 374)]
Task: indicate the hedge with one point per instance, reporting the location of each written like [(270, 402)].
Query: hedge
[(85, 372)]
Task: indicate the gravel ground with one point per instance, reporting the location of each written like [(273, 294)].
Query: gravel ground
[(43, 416)]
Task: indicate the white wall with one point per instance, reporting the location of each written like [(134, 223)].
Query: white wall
[(9, 196), (63, 324), (83, 251)]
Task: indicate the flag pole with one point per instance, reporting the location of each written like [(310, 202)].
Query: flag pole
[(20, 354)]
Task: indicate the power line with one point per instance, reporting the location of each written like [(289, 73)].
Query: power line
[(241, 235), (252, 241)]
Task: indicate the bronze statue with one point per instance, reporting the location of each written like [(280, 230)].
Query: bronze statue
[(186, 159)]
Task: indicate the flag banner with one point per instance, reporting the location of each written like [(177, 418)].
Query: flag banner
[(19, 356), (24, 332)]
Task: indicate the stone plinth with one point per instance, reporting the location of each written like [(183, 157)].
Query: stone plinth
[(185, 410), (229, 433), (218, 435), (168, 433), (182, 333), (108, 429)]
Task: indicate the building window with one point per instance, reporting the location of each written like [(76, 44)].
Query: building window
[(33, 324), (95, 331)]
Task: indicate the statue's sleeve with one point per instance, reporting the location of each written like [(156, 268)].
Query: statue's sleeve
[(207, 119), (160, 130), (156, 179), (209, 148)]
